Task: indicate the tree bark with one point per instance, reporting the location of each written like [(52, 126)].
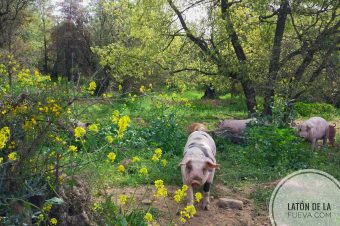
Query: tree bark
[(274, 65), (247, 85)]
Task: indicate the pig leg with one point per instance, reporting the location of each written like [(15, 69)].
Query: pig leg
[(190, 196), (206, 191), (314, 142)]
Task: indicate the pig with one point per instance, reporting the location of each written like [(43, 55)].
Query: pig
[(235, 126), (198, 165), (314, 129), (331, 134), (196, 127)]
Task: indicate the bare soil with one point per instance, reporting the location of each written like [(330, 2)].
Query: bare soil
[(167, 208)]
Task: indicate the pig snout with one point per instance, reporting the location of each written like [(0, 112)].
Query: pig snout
[(196, 181)]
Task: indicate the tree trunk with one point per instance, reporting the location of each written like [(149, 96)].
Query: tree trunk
[(274, 66), (209, 92), (248, 89)]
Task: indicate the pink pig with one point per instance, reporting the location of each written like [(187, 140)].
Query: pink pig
[(198, 165), (234, 125), (314, 129)]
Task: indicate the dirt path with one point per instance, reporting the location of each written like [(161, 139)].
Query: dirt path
[(216, 216)]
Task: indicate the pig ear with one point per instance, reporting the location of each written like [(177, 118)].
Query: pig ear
[(185, 162), (308, 128), (211, 165)]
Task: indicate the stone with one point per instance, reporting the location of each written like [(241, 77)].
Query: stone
[(146, 201), (230, 203)]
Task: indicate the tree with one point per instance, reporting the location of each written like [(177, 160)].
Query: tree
[(11, 12), (317, 40), (274, 69), (71, 43)]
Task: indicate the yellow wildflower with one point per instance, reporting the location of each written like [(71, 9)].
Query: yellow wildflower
[(155, 158), (158, 152), (120, 88), (109, 139), (142, 89), (54, 221), (143, 170), (79, 132), (122, 199), (121, 168), (198, 196), (122, 125), (92, 87), (164, 162), (180, 193), (161, 190), (1, 160), (4, 135), (115, 117), (72, 148), (135, 159), (188, 212), (12, 156), (112, 156), (47, 207), (93, 128), (148, 217)]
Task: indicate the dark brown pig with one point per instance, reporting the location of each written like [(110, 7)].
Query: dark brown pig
[(331, 134)]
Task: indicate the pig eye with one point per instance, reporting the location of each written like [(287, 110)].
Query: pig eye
[(189, 167)]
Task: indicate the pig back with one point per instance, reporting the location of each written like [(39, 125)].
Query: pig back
[(319, 127), (235, 126), (201, 140)]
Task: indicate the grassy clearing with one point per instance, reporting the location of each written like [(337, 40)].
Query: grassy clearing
[(161, 122)]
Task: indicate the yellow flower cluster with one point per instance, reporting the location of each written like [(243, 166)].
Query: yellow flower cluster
[(188, 212), (157, 155), (164, 162), (121, 122), (122, 126), (143, 170), (51, 106), (180, 193), (122, 199), (115, 117), (142, 89), (92, 87), (54, 221), (135, 159), (198, 196), (12, 156), (72, 148), (47, 207), (112, 156), (109, 139), (161, 191), (79, 132), (121, 168), (4, 135), (148, 217), (93, 128)]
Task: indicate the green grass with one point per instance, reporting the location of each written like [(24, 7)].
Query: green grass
[(235, 172)]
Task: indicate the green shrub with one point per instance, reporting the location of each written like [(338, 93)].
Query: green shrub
[(276, 147), (315, 109)]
